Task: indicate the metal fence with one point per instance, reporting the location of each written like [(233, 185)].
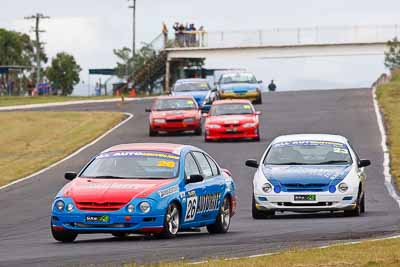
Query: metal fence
[(287, 36)]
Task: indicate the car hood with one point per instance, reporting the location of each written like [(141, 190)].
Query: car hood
[(112, 190), (174, 114), (306, 174), (231, 119), (240, 86)]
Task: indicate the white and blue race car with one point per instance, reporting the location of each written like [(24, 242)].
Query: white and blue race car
[(309, 173)]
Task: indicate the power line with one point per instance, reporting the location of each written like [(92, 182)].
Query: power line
[(38, 44)]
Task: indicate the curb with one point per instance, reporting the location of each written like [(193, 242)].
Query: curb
[(130, 116)]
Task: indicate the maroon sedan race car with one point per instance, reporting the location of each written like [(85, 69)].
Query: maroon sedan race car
[(173, 114), (232, 119)]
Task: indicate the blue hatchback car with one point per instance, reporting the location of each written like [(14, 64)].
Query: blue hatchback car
[(199, 89), (145, 189)]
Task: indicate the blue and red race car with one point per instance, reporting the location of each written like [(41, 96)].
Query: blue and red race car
[(155, 189)]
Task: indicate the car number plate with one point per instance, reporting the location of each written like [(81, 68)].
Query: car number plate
[(233, 130), (305, 197), (98, 219)]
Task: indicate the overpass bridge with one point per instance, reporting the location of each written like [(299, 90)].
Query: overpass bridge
[(277, 43)]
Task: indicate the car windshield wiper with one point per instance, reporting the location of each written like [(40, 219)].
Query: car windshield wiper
[(332, 162)]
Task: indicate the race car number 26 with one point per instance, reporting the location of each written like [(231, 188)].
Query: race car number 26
[(191, 208)]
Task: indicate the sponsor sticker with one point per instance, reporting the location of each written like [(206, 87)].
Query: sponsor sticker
[(166, 164), (201, 204), (190, 102), (168, 191), (136, 154), (246, 106)]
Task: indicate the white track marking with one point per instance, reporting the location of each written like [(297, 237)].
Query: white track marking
[(386, 156), (130, 116), (69, 103)]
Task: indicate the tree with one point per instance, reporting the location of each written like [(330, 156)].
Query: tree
[(392, 57), (124, 66), (63, 73)]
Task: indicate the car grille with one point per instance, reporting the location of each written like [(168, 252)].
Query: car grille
[(93, 206), (175, 120), (231, 125), (297, 187), (114, 225), (318, 204)]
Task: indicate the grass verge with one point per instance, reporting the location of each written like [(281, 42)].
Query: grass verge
[(28, 100), (389, 100), (30, 141), (383, 253)]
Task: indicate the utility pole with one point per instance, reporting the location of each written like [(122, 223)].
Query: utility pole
[(38, 44), (133, 27)]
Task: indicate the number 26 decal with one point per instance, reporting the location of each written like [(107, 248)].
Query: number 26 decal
[(191, 208)]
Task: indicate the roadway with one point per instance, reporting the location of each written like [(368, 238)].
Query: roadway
[(25, 239)]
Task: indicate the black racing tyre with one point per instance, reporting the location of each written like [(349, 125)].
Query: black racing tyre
[(362, 204), (258, 214), (258, 101), (120, 234), (357, 210), (199, 131), (171, 222), (257, 139), (223, 221), (151, 132), (64, 236)]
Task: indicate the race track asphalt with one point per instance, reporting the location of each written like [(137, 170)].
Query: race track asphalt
[(25, 239)]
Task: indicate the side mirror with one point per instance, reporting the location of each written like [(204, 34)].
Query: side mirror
[(260, 81), (258, 113), (214, 90), (148, 109), (70, 176), (364, 163), (195, 178), (252, 163)]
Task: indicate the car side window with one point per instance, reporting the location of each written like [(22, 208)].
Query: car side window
[(204, 165), (191, 167), (214, 167)]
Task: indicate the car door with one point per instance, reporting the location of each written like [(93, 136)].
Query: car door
[(193, 191), (209, 204)]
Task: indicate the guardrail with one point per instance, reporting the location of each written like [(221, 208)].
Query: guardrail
[(286, 36)]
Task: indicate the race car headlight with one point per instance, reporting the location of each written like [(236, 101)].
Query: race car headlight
[(249, 125), (343, 187), (130, 208), (59, 205), (144, 207), (213, 126), (159, 120), (189, 120), (70, 207), (266, 187)]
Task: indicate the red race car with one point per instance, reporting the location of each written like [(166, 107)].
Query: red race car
[(232, 119), (174, 114)]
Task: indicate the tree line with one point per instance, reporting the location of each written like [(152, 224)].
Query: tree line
[(18, 61)]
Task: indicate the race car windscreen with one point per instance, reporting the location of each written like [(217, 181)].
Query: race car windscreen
[(191, 87), (174, 104), (133, 165), (308, 153), (231, 109), (238, 78)]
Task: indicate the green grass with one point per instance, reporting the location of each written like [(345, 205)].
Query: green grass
[(30, 141), (384, 253), (27, 100), (389, 100)]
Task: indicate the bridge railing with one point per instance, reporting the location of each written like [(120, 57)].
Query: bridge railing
[(286, 36)]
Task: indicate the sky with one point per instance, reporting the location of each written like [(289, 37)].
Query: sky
[(91, 29)]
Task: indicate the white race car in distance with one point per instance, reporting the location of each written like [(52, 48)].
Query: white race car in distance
[(309, 173)]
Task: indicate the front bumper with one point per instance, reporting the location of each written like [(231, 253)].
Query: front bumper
[(118, 222), (254, 95), (231, 133), (176, 126), (324, 202)]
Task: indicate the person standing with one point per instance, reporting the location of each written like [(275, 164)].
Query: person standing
[(272, 86)]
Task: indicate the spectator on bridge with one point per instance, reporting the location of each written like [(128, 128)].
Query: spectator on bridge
[(272, 86)]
